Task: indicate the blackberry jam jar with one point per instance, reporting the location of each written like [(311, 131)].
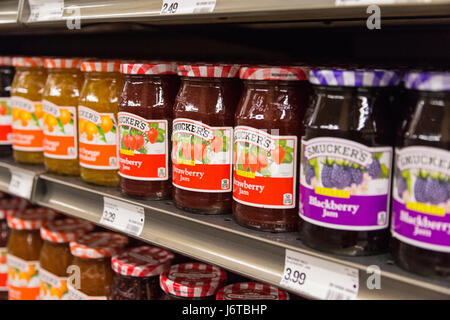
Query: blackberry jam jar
[(192, 281), (202, 137), (346, 162), (145, 127), (251, 291), (267, 134), (137, 273), (421, 193)]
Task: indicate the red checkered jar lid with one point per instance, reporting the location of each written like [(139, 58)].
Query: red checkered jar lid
[(62, 63), (192, 280), (209, 70), (65, 230), (30, 219), (149, 68), (10, 205), (6, 61), (28, 62), (98, 245), (251, 291), (101, 66), (144, 261), (274, 73)]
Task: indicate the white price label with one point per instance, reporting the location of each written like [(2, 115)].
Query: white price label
[(369, 2), (43, 10), (123, 216), (21, 184), (318, 278), (187, 6)]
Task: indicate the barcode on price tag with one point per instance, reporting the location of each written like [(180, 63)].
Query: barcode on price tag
[(122, 216), (187, 6), (21, 184), (318, 278), (42, 10)]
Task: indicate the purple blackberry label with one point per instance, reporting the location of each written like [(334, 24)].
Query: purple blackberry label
[(345, 185), (421, 198)]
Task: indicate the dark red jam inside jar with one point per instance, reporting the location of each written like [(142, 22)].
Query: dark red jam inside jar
[(145, 125), (7, 72), (251, 291), (192, 281), (346, 165), (267, 137), (137, 272), (202, 137), (421, 190)]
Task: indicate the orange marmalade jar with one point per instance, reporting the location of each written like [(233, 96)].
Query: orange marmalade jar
[(59, 102), (97, 113), (24, 247), (26, 93), (55, 257)]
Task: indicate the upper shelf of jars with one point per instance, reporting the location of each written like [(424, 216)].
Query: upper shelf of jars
[(218, 239), (69, 14)]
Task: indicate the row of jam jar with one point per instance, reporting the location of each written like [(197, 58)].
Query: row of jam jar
[(61, 259), (227, 145)]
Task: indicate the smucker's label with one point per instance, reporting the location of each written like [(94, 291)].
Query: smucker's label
[(201, 156), (52, 286), (265, 169), (345, 185), (421, 198), (6, 136), (28, 118), (144, 153), (3, 270), (23, 279)]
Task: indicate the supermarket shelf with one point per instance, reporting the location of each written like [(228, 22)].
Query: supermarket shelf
[(218, 239), (9, 14), (148, 11)]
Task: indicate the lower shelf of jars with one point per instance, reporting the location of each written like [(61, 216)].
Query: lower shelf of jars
[(218, 239)]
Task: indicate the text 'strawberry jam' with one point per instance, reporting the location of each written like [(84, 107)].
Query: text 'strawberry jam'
[(92, 255), (6, 78), (97, 119), (346, 162), (251, 291), (145, 127), (421, 192), (59, 103), (192, 281), (266, 144), (27, 113), (202, 137), (137, 273)]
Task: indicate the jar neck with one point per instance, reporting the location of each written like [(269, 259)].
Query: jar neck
[(264, 84), (211, 81), (102, 75), (31, 69), (63, 71)]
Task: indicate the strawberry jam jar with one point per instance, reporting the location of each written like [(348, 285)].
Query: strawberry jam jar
[(266, 144), (145, 126), (202, 137)]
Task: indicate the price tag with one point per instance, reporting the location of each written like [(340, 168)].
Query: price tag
[(319, 278), (187, 6), (123, 216), (21, 184), (43, 10), (369, 2)]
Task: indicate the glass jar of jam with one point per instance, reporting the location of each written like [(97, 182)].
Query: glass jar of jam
[(97, 114), (345, 173), (251, 291), (266, 143), (421, 192), (60, 101), (28, 116), (55, 257), (7, 72), (24, 247), (145, 127), (92, 256), (192, 281), (137, 273), (202, 137)]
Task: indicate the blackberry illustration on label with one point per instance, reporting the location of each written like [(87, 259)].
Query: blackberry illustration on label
[(264, 168), (98, 139), (345, 185), (421, 198), (201, 156), (60, 131), (143, 148), (6, 136), (27, 124)]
